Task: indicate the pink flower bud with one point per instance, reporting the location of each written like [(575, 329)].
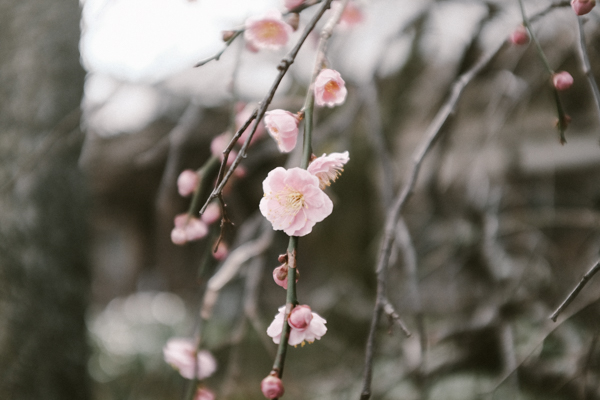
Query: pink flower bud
[(178, 236), (519, 36), (330, 88), (211, 214), (582, 7), (204, 394), (272, 387), (187, 182), (352, 14), (562, 80), (283, 127), (267, 32), (280, 275), (222, 252), (182, 355), (300, 317)]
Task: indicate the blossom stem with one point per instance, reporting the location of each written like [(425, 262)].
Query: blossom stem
[(206, 173)]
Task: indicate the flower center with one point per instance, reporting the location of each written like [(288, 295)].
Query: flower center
[(269, 30), (294, 201), (332, 87)]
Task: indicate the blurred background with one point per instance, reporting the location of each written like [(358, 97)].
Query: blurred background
[(101, 110)]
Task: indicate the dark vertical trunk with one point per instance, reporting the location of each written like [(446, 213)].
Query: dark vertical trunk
[(44, 277)]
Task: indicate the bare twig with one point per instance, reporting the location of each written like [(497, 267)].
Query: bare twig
[(588, 275), (432, 133), (258, 114), (587, 69), (390, 311)]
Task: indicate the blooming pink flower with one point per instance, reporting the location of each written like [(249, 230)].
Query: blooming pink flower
[(562, 80), (179, 353), (330, 88), (352, 14), (582, 7), (283, 127), (188, 229), (519, 36), (328, 167), (211, 214), (272, 387), (306, 326), (187, 182), (293, 201), (267, 32), (204, 394), (291, 4)]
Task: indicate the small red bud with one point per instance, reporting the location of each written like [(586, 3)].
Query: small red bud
[(519, 36), (562, 80), (582, 7), (272, 387)]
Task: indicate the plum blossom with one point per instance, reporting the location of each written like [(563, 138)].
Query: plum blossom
[(328, 167), (204, 394), (187, 182), (293, 201), (272, 387), (267, 32), (305, 325), (291, 4), (562, 80), (582, 7), (187, 229), (283, 127), (330, 88), (179, 353), (280, 275), (519, 36)]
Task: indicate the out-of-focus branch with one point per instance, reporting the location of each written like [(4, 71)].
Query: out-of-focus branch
[(258, 114), (588, 275), (432, 133), (587, 68)]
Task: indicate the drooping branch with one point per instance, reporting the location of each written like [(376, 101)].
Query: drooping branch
[(433, 132), (588, 275)]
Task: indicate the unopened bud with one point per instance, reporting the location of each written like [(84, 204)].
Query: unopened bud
[(227, 35), (272, 387), (282, 258), (562, 80), (300, 317), (519, 36), (582, 7), (293, 20), (280, 275)]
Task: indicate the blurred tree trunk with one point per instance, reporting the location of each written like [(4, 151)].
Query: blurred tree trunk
[(44, 276)]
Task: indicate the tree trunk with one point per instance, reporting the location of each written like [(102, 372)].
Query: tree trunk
[(44, 276)]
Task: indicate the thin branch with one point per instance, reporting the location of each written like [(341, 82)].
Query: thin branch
[(216, 57), (587, 68), (433, 132), (576, 291), (259, 112), (391, 313)]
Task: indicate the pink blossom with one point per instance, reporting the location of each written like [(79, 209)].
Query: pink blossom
[(267, 32), (562, 80), (240, 119), (328, 167), (212, 213), (291, 4), (179, 353), (305, 326), (582, 7), (293, 201), (204, 394), (330, 88), (272, 387), (519, 36), (187, 182), (283, 127), (352, 14), (188, 229)]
